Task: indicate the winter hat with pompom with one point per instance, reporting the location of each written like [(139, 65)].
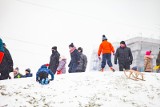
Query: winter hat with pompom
[(71, 45), (148, 52), (104, 37)]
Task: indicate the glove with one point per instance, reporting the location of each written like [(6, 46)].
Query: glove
[(115, 62), (99, 57), (51, 80)]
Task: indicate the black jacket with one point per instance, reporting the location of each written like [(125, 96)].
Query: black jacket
[(75, 60), (7, 63), (158, 62), (124, 56), (54, 61)]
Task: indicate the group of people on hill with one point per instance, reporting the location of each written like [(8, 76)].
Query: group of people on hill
[(123, 54), (78, 63), (124, 57)]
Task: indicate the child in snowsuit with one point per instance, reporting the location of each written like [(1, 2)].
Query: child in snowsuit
[(28, 73), (42, 75), (62, 66), (16, 73), (148, 62)]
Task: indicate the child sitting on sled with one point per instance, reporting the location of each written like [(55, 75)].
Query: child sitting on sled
[(42, 75)]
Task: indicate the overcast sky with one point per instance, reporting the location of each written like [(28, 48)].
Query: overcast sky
[(31, 27)]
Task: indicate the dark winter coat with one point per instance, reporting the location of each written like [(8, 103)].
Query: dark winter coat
[(82, 64), (75, 59), (46, 70), (124, 56), (28, 75), (158, 62), (54, 61), (7, 64)]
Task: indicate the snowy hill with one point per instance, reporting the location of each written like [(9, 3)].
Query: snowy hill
[(91, 89)]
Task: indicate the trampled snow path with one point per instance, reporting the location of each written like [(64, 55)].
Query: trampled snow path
[(91, 89)]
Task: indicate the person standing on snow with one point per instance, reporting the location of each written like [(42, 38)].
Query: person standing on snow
[(62, 66), (83, 61), (106, 49), (54, 60), (75, 58), (124, 56), (158, 62), (6, 65), (148, 62), (42, 75)]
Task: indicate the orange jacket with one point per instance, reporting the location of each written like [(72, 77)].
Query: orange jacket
[(105, 47)]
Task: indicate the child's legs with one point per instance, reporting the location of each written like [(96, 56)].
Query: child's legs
[(108, 57)]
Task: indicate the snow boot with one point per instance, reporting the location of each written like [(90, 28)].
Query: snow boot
[(43, 81), (112, 69)]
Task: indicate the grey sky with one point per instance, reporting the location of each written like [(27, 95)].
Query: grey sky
[(31, 27)]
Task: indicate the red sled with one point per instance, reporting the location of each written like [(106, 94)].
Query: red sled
[(1, 57)]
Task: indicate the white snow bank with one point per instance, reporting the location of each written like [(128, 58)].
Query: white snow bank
[(91, 89)]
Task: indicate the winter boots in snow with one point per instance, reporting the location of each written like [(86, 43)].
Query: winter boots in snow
[(112, 69)]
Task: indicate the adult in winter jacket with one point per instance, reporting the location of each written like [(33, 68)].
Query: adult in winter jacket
[(54, 60), (1, 50), (158, 62), (6, 65), (42, 75), (106, 49), (148, 62), (75, 58), (124, 56), (28, 73), (62, 66), (83, 61)]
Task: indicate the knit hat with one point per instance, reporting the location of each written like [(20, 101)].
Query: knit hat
[(148, 52), (28, 70), (54, 47), (1, 46), (71, 45), (81, 49), (122, 42), (135, 68), (17, 68), (104, 37), (4, 44)]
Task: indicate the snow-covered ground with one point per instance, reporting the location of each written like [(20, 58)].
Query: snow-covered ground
[(91, 89)]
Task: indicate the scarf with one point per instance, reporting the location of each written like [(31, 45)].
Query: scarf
[(71, 50)]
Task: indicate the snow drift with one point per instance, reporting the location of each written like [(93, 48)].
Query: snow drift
[(90, 89)]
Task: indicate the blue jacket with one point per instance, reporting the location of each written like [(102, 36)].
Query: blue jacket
[(45, 69)]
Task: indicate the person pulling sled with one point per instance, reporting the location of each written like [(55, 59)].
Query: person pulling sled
[(42, 75)]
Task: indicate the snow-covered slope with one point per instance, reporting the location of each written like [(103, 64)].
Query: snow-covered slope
[(91, 89)]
